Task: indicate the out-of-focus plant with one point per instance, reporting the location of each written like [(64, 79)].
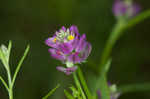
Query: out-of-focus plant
[(65, 47), (71, 48), (5, 57)]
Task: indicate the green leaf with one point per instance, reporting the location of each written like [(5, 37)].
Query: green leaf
[(9, 49), (75, 92), (19, 64), (4, 83), (51, 92), (68, 95)]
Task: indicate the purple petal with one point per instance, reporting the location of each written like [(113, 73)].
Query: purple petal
[(81, 43), (51, 42), (98, 94), (119, 8), (136, 9), (63, 28), (66, 48), (68, 70), (74, 57), (75, 42), (74, 29), (60, 68), (86, 51), (57, 54)]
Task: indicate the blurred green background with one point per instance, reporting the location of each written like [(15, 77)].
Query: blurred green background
[(32, 21)]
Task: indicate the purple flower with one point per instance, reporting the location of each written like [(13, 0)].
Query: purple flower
[(68, 70), (68, 46), (114, 94), (125, 8)]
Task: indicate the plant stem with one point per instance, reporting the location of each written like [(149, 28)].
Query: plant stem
[(10, 93), (10, 84), (116, 32), (134, 88), (78, 85), (83, 82)]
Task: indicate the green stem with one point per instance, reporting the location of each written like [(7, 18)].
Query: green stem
[(83, 82), (78, 85), (10, 93), (110, 43), (134, 88), (103, 87), (10, 84), (117, 32)]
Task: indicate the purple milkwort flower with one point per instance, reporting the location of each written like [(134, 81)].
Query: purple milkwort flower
[(125, 8), (113, 92), (68, 46)]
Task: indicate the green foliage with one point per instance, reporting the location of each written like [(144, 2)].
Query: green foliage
[(51, 92), (4, 56)]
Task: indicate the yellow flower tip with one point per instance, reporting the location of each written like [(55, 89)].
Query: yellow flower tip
[(54, 40), (70, 37)]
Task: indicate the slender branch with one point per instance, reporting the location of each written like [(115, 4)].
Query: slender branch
[(141, 17), (78, 85), (4, 83), (134, 88), (20, 63)]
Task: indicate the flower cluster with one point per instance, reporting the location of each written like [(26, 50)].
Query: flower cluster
[(68, 46), (125, 8)]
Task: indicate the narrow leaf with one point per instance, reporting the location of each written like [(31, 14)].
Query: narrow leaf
[(9, 49), (4, 83), (83, 82), (68, 95), (19, 64), (51, 92)]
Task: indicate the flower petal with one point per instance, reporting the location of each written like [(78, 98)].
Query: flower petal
[(63, 28), (74, 57), (81, 43), (51, 42), (86, 51), (74, 29), (68, 70), (66, 48), (57, 54), (60, 68)]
